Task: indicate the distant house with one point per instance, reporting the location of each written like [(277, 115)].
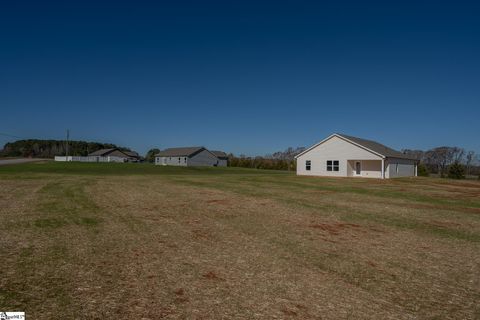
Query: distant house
[(222, 158), (340, 155), (188, 156), (117, 154)]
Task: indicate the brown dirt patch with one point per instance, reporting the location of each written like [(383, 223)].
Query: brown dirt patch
[(438, 223), (210, 275), (289, 312), (179, 292), (334, 228), (218, 201)]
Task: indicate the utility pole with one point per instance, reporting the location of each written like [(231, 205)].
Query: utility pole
[(66, 149)]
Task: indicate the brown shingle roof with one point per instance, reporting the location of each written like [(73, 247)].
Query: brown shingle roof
[(180, 152)]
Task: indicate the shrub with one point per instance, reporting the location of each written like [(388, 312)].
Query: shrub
[(456, 171), (422, 170), (150, 156)]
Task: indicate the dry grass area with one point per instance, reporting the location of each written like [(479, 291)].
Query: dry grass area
[(163, 243)]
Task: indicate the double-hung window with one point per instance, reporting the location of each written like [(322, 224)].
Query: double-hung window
[(308, 165), (333, 165)]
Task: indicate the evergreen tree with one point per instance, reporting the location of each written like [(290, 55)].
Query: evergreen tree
[(422, 170), (456, 171)]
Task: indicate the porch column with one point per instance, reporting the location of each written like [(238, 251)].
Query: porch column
[(383, 168)]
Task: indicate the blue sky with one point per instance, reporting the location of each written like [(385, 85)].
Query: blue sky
[(247, 77)]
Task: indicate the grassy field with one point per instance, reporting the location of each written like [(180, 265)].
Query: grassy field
[(106, 241)]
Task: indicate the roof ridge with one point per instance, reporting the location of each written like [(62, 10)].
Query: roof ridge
[(370, 145)]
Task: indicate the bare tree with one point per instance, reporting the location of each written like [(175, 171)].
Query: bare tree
[(469, 159), (457, 154), (442, 157), (416, 154)]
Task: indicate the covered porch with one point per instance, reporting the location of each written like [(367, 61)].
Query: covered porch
[(366, 168)]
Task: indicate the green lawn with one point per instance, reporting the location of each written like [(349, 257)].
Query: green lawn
[(140, 241)]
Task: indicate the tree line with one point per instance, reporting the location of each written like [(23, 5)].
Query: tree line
[(50, 148), (453, 162), (281, 160)]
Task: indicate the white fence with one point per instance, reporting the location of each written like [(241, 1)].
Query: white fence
[(89, 159)]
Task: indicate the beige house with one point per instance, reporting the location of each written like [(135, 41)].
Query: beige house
[(340, 155)]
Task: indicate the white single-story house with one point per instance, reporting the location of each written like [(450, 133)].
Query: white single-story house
[(340, 155), (188, 156)]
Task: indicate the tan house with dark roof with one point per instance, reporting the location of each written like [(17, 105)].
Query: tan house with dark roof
[(341, 155), (188, 156)]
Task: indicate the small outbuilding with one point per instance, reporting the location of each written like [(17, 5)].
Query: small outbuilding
[(188, 156), (341, 155)]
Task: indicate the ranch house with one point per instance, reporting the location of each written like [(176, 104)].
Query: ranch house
[(188, 156), (340, 155)]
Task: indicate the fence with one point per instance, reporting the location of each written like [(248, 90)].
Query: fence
[(89, 159)]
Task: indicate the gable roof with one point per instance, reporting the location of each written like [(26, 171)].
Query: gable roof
[(102, 152), (219, 154), (132, 154), (370, 145), (180, 152), (106, 152)]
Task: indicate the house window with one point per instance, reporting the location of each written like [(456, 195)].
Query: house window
[(396, 167), (179, 159), (333, 165), (308, 165), (185, 159)]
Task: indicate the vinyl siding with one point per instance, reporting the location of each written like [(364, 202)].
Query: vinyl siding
[(332, 149), (171, 161), (406, 168), (222, 162), (204, 158)]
